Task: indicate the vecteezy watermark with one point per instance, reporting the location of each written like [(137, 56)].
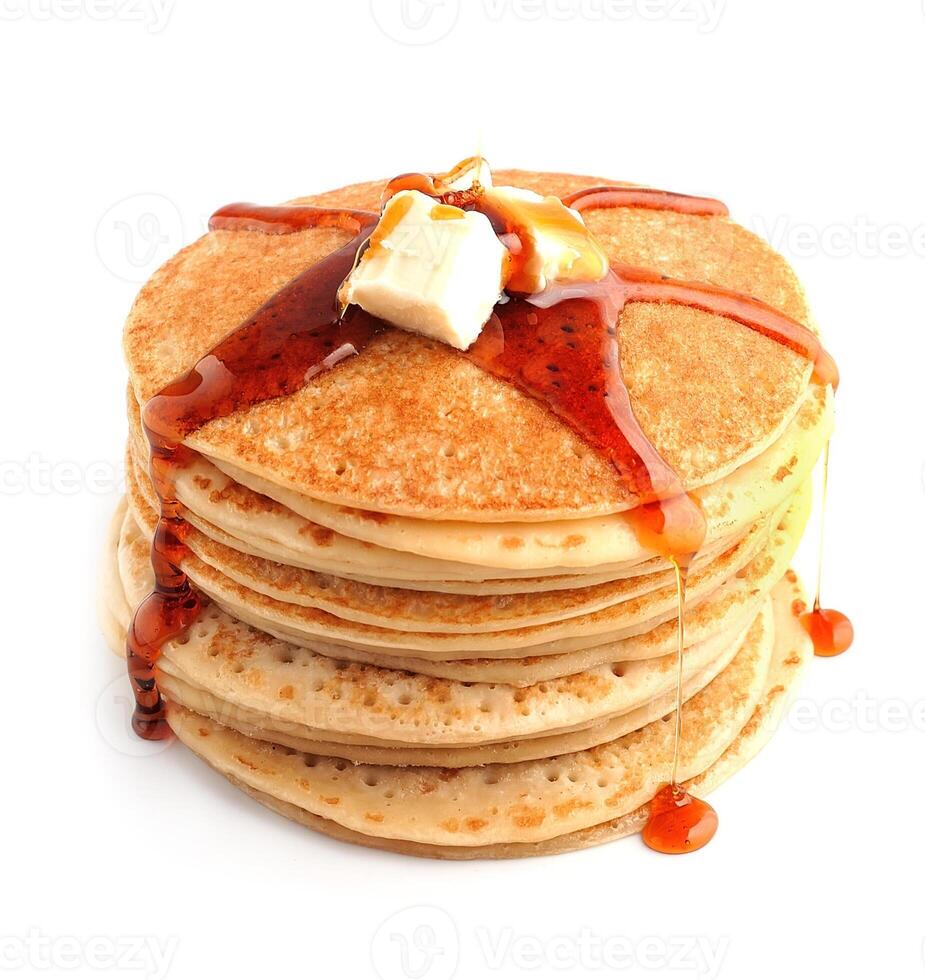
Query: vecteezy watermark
[(415, 22), (706, 14), (424, 943), (585, 950), (147, 956), (152, 14), (137, 234), (45, 477), (859, 713), (859, 237), (417, 943), (420, 22)]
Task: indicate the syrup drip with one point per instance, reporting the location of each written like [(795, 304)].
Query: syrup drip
[(561, 347), (294, 336), (678, 822), (830, 630), (437, 185)]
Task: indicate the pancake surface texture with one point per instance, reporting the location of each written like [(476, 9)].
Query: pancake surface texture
[(429, 623)]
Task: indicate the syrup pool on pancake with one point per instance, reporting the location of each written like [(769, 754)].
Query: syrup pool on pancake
[(554, 336)]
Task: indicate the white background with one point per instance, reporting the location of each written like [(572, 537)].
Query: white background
[(124, 124)]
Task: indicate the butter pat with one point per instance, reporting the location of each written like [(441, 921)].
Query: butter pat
[(555, 244), (430, 268)]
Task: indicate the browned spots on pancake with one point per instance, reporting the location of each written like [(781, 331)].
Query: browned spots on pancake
[(286, 692), (250, 765), (798, 607), (566, 809), (366, 515), (226, 644), (304, 784), (451, 825), (794, 660), (584, 686), (785, 471), (245, 500), (203, 733), (322, 536), (375, 817), (573, 541), (791, 575), (330, 800), (775, 691), (203, 482), (475, 823), (512, 542), (427, 786), (523, 815)]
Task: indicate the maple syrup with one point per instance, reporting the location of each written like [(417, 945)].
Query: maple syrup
[(830, 630), (560, 347), (678, 822), (592, 198), (295, 335)]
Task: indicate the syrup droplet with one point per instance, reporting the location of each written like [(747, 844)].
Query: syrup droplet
[(830, 631), (678, 822)]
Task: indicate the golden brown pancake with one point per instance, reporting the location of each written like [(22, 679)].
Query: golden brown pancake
[(413, 428), (427, 622)]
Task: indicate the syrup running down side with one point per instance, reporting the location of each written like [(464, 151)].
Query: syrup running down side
[(295, 335), (560, 347)]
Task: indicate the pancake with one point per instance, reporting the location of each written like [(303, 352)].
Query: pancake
[(580, 632), (418, 609), (258, 525), (241, 575), (729, 507), (413, 428), (270, 727), (248, 668), (570, 801)]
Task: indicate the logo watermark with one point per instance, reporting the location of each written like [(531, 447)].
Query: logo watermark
[(44, 477), (415, 22), (147, 956), (859, 237), (138, 234), (417, 943), (114, 709), (421, 22), (424, 943), (859, 713), (153, 15), (586, 950)]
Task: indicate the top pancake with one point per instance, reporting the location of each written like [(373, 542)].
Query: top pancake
[(411, 427)]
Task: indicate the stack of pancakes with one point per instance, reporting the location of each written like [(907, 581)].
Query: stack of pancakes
[(428, 624)]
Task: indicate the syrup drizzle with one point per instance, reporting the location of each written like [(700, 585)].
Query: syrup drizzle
[(560, 347), (592, 198), (294, 336)]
